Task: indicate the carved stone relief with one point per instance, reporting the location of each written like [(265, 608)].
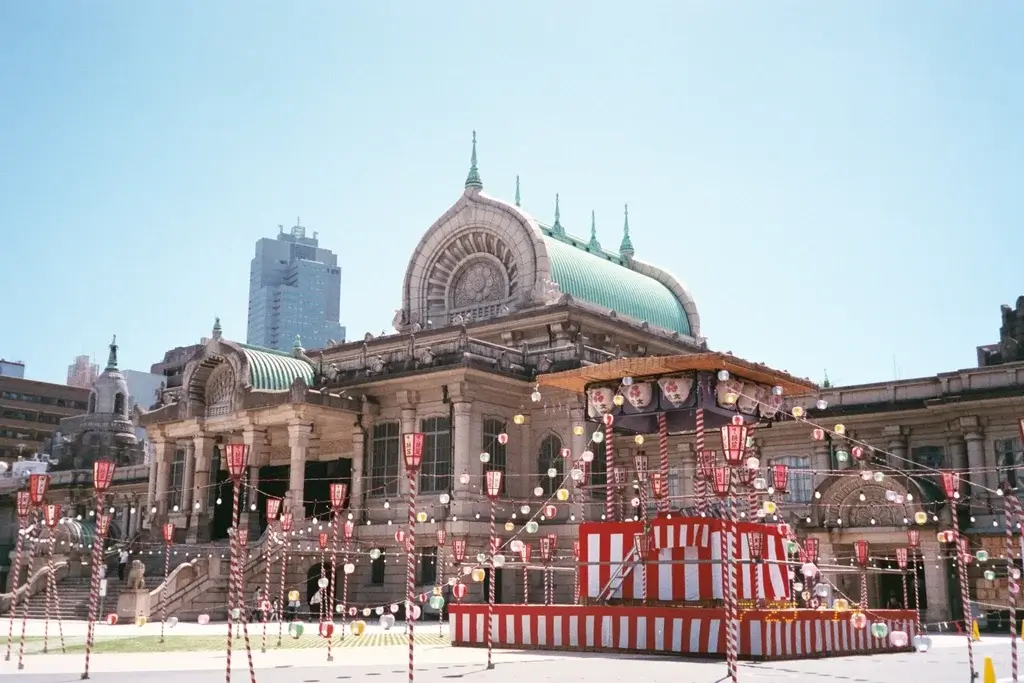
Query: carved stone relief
[(220, 390), (478, 282)]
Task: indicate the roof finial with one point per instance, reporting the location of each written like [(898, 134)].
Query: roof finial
[(216, 328), (557, 227), (594, 244), (473, 178), (297, 349), (626, 247), (518, 199), (112, 358)]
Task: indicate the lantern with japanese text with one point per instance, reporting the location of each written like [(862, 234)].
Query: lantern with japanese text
[(338, 493), (658, 485), (619, 476), (286, 522), (756, 541), (525, 553), (913, 537), (641, 465), (734, 441), (860, 549), (243, 537), (168, 533), (576, 549), (901, 558), (720, 480), (545, 548), (103, 524), (951, 484), (349, 529), (236, 455), (553, 540), (811, 546), (321, 540), (412, 450), (780, 477), (493, 478), (459, 548), (273, 508), (706, 462), (23, 503), (642, 544), (38, 485), (102, 475), (441, 537), (51, 514)]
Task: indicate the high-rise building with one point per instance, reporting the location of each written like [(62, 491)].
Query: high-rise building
[(294, 290), (83, 372)]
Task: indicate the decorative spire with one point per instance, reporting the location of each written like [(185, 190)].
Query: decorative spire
[(216, 328), (626, 247), (518, 199), (297, 349), (112, 358), (594, 244), (473, 178), (557, 227)]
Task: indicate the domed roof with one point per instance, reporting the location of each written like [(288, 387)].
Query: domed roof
[(110, 390)]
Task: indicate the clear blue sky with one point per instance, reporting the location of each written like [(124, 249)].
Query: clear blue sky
[(835, 185)]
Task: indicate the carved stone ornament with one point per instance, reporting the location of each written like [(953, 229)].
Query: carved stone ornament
[(599, 401), (676, 390), (639, 394), (220, 390), (480, 282)]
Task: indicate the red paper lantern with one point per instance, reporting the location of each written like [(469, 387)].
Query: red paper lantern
[(576, 549), (619, 476), (243, 537), (51, 514), (236, 454), (38, 485), (901, 558), (459, 548), (642, 544), (321, 540), (566, 453), (23, 503), (818, 434), (641, 465), (802, 555), (811, 546), (111, 619), (553, 540), (608, 420), (756, 541), (169, 533), (459, 591), (913, 537), (400, 536), (658, 485), (441, 536), (734, 441), (549, 511), (493, 478), (951, 483), (102, 475), (526, 552), (706, 461), (545, 549), (861, 550), (286, 522), (412, 450), (780, 477), (273, 508), (349, 530), (720, 480), (503, 438), (338, 493), (326, 629), (858, 452), (103, 525)]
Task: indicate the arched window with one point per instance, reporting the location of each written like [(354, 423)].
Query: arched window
[(550, 459), (119, 404), (598, 479), (92, 402)]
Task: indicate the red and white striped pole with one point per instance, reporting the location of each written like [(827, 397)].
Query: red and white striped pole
[(51, 587), (492, 480), (243, 617), (951, 484), (576, 571), (609, 467), (412, 453), (338, 492), (732, 643), (1012, 510), (322, 585), (350, 528), (524, 555), (51, 515), (663, 502), (700, 485), (237, 456), (273, 509), (913, 541), (286, 527), (168, 530), (23, 507), (33, 544), (441, 536)]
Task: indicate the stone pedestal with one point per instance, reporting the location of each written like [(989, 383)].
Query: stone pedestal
[(132, 604)]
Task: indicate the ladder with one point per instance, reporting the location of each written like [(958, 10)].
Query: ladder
[(618, 577)]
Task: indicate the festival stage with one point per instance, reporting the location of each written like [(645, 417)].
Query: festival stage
[(681, 631)]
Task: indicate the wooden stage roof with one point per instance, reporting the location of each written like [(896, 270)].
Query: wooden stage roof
[(652, 367)]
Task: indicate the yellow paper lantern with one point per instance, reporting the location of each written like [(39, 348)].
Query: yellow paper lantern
[(769, 507), (293, 596), (478, 574), (437, 590), (421, 516), (618, 399), (509, 526), (357, 627), (140, 620), (638, 439), (562, 494), (841, 605), (577, 430), (921, 517), (519, 418)]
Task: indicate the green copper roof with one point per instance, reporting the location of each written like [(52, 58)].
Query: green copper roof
[(604, 279), (271, 370)]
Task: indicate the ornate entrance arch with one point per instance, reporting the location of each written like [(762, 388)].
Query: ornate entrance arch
[(859, 502)]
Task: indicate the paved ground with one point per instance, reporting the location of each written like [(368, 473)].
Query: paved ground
[(945, 663)]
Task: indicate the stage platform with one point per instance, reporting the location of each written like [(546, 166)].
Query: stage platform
[(679, 631)]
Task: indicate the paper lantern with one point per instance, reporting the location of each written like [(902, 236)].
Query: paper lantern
[(412, 450), (338, 493), (23, 503), (914, 537), (349, 529), (358, 627), (387, 621), (140, 621), (202, 619), (102, 475), (861, 551), (172, 622), (349, 568), (273, 508), (879, 629), (293, 596), (549, 511), (441, 537), (562, 495), (103, 524), (111, 619), (525, 552), (326, 629), (168, 530), (38, 485), (780, 477), (951, 484), (237, 455), (51, 515), (898, 638), (720, 480), (858, 620), (545, 549), (323, 582), (901, 558), (706, 462), (503, 438), (641, 466), (295, 629), (642, 544), (756, 542), (493, 479), (436, 602), (478, 574), (922, 643), (734, 441), (818, 434), (321, 540), (811, 546), (242, 534), (658, 485), (286, 522), (459, 590)]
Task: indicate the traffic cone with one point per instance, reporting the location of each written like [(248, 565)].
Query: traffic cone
[(989, 674), (975, 633)]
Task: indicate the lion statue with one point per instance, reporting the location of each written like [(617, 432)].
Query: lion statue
[(136, 576)]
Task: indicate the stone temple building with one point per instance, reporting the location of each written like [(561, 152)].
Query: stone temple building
[(492, 298)]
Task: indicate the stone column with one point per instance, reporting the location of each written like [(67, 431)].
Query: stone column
[(356, 503), (578, 444), (157, 447), (248, 518), (957, 448), (936, 581), (896, 444), (188, 479), (298, 441), (198, 528), (164, 451), (463, 458), (688, 472), (820, 462)]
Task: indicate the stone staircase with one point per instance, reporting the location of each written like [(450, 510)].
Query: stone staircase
[(74, 599)]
